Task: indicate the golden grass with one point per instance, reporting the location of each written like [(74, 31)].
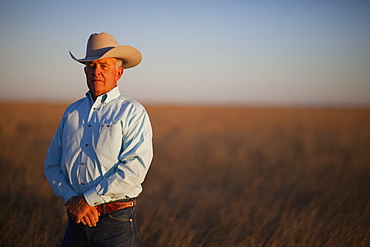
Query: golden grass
[(220, 177)]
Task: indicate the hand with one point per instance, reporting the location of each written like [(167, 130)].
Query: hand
[(91, 217), (79, 211)]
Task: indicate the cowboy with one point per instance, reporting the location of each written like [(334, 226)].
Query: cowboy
[(101, 151)]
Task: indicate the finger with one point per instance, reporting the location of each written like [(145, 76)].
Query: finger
[(83, 221), (76, 214), (88, 221), (94, 218), (72, 216), (96, 214), (78, 220)]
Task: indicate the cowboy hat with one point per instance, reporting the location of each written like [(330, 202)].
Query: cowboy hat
[(104, 45)]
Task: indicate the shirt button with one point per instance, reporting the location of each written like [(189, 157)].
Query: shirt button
[(83, 183), (83, 164), (94, 108), (89, 125), (86, 145)]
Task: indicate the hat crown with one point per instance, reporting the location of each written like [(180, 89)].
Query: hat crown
[(104, 45), (99, 44)]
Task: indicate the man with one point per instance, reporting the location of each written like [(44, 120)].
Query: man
[(101, 151)]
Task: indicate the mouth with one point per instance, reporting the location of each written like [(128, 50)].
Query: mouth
[(96, 80)]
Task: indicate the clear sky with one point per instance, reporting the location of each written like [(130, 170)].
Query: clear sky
[(300, 52)]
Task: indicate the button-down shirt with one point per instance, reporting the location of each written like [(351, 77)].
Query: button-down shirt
[(101, 149)]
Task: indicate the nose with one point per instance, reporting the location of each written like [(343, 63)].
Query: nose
[(96, 70)]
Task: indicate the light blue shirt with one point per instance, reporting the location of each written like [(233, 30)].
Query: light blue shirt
[(101, 149)]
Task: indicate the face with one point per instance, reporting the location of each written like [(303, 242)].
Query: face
[(102, 75)]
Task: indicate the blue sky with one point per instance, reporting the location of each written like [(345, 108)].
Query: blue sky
[(194, 52)]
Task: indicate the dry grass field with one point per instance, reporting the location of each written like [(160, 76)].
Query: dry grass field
[(220, 177)]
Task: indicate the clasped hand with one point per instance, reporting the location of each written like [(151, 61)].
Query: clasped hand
[(81, 212)]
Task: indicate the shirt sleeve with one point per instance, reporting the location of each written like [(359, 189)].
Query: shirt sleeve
[(52, 167), (133, 163)]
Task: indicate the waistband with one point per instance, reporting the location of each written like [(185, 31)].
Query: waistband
[(116, 205)]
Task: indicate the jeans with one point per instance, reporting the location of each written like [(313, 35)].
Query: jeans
[(117, 228)]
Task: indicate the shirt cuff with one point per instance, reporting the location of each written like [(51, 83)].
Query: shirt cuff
[(69, 194), (92, 198)]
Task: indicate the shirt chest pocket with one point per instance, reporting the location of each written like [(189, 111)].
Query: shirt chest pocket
[(109, 140)]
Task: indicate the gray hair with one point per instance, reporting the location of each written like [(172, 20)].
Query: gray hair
[(120, 62)]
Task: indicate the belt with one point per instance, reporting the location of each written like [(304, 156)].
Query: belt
[(114, 206)]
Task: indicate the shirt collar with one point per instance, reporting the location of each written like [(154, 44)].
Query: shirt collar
[(105, 98)]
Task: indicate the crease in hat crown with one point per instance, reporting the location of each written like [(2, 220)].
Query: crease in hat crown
[(104, 45)]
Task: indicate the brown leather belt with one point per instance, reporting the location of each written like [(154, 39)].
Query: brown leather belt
[(114, 206)]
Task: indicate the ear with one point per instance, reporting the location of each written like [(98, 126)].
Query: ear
[(120, 72)]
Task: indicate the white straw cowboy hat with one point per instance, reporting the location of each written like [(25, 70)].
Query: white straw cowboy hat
[(104, 45)]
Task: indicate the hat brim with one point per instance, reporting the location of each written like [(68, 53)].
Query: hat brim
[(130, 56)]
